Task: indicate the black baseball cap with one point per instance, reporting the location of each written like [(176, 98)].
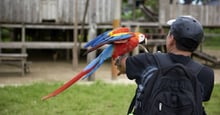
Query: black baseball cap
[(187, 31)]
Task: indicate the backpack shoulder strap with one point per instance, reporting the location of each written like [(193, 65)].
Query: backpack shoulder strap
[(162, 60), (195, 67)]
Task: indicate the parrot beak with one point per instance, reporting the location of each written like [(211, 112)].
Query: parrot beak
[(144, 42)]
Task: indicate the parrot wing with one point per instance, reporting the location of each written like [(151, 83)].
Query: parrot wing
[(114, 39), (103, 35), (119, 35), (109, 36)]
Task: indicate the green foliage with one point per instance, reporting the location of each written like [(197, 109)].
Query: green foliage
[(212, 42), (153, 4), (214, 30), (97, 98), (5, 35), (127, 9)]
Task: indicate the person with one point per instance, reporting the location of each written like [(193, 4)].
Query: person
[(184, 36)]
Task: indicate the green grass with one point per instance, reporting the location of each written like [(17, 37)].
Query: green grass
[(212, 106), (212, 43), (96, 99)]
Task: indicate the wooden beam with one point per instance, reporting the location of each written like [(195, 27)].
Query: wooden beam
[(140, 24), (158, 42), (84, 18), (75, 39), (134, 10), (92, 33), (53, 26), (38, 45), (116, 24), (0, 38), (23, 33), (60, 45), (136, 50), (67, 50)]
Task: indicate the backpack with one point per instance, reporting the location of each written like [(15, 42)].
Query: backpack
[(168, 89)]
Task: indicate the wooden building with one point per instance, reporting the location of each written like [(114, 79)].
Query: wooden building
[(28, 18), (23, 16), (35, 15), (53, 11)]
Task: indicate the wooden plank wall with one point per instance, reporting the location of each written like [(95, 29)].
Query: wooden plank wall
[(208, 15), (62, 11)]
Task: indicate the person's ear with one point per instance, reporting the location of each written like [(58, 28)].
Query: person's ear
[(172, 40)]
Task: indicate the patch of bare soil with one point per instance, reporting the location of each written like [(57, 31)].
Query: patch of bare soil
[(216, 54), (50, 71)]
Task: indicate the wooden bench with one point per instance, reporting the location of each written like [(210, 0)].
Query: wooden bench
[(15, 59)]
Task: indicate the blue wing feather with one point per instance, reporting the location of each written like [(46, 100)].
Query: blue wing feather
[(106, 54), (109, 39), (101, 36)]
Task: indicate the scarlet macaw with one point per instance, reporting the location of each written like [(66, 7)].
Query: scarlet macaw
[(121, 41)]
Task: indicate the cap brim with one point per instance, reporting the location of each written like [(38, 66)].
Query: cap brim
[(170, 22)]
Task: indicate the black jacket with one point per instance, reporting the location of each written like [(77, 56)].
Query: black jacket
[(135, 65)]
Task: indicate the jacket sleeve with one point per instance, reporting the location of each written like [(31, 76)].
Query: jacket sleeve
[(135, 65), (206, 78)]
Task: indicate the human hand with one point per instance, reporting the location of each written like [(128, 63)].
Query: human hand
[(120, 63)]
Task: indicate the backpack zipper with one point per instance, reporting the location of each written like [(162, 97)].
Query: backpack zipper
[(160, 106)]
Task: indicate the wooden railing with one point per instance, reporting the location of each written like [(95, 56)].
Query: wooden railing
[(57, 45)]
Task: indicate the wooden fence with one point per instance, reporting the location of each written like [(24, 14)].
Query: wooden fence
[(208, 15)]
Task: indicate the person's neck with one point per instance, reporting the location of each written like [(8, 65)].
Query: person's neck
[(179, 52)]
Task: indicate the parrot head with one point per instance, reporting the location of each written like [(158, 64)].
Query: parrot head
[(141, 37)]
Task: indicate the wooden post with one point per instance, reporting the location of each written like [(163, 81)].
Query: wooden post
[(134, 10), (84, 18), (116, 23), (0, 38), (67, 39), (92, 32), (23, 50), (75, 31), (136, 50)]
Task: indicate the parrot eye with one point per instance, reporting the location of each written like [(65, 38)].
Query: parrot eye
[(141, 37)]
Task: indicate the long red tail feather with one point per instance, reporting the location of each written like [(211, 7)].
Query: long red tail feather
[(67, 85)]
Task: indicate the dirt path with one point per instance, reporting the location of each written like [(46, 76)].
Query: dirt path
[(45, 71), (49, 71)]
